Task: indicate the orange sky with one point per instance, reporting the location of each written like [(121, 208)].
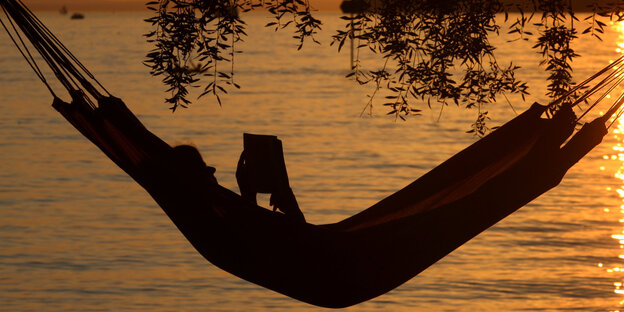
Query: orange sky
[(118, 5), (124, 5)]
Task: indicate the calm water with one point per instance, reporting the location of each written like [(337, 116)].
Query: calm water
[(76, 234)]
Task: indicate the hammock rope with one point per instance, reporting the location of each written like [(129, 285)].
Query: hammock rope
[(46, 52), (63, 47), (616, 76), (66, 67), (615, 109), (29, 59), (612, 65)]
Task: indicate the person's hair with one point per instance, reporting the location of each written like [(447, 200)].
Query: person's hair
[(188, 156)]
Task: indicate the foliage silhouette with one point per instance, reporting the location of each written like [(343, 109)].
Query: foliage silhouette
[(435, 52)]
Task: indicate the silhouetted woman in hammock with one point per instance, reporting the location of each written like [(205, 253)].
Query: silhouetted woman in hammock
[(190, 163)]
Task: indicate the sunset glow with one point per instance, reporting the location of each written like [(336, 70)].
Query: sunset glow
[(134, 5)]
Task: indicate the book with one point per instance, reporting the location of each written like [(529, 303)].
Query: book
[(264, 160)]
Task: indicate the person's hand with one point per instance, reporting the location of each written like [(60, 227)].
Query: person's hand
[(285, 201), (242, 178), (282, 199)]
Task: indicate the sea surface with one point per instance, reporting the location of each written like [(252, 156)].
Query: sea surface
[(77, 234)]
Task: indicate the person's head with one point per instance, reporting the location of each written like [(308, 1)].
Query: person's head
[(188, 159), (188, 156)]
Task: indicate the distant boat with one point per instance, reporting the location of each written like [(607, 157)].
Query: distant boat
[(77, 16), (63, 10)]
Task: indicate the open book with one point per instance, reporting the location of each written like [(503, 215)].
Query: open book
[(264, 159)]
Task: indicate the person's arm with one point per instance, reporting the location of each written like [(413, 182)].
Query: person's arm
[(242, 178), (284, 199)]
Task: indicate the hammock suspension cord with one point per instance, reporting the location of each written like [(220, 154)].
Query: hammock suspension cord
[(48, 53), (29, 59), (64, 48), (617, 76), (66, 67)]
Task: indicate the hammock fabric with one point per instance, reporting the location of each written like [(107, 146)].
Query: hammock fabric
[(332, 265)]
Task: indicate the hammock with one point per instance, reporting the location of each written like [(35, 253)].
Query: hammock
[(351, 261)]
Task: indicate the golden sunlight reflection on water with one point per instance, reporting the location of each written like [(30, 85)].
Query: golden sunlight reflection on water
[(615, 155), (618, 155)]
